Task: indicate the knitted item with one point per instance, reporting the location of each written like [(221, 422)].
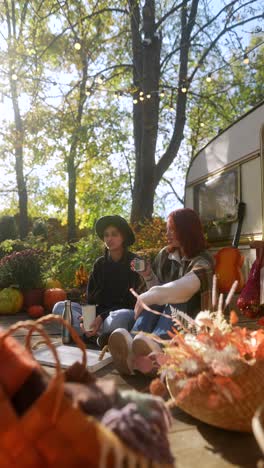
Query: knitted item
[(145, 435)]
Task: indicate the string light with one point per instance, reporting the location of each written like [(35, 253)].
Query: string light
[(201, 124), (100, 79), (139, 94), (133, 90), (245, 59)]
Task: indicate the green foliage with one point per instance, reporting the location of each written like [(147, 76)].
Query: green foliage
[(13, 245), (231, 93), (62, 261), (8, 228), (40, 228), (58, 261), (97, 197)]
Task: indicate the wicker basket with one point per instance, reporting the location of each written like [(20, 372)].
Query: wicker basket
[(236, 416), (52, 432)]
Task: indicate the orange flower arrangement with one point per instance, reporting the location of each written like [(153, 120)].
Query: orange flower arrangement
[(205, 354), (213, 369), (210, 360)]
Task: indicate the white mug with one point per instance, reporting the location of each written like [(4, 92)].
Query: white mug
[(89, 314)]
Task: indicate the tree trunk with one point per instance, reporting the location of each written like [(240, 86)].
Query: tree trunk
[(146, 54), (148, 173), (71, 169), (71, 164), (22, 194), (19, 165), (19, 130)]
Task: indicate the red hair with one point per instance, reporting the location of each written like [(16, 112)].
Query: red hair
[(189, 232)]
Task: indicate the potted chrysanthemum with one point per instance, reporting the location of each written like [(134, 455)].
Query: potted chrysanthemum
[(23, 270)]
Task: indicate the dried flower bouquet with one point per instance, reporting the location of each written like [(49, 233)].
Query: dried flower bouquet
[(216, 372)]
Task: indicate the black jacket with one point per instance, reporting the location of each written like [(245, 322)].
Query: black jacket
[(109, 284)]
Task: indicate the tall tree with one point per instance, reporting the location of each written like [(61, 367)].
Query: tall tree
[(86, 30), (14, 29), (193, 33), (21, 24)]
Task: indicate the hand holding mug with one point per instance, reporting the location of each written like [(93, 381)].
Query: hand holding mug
[(141, 266), (94, 327)]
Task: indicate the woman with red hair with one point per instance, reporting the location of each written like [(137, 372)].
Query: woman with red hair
[(181, 277)]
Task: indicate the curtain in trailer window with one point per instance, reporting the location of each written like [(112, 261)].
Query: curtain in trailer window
[(216, 199)]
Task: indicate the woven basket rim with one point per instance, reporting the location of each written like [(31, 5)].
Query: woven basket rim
[(233, 416)]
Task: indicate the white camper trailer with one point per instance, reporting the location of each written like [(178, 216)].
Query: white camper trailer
[(227, 171)]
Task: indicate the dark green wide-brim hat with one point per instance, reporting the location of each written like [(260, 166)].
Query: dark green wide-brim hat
[(118, 222)]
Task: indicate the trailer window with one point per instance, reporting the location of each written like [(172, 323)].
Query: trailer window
[(217, 197)]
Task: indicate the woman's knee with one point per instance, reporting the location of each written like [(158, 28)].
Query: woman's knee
[(146, 322), (123, 318)]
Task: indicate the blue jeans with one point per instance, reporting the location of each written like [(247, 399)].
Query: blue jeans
[(156, 324), (123, 318)]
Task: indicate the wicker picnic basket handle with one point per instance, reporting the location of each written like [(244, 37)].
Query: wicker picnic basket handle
[(57, 318), (58, 379), (31, 326), (257, 426)]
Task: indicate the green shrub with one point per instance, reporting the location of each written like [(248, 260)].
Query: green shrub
[(12, 245), (8, 228), (22, 269), (62, 261), (40, 228)]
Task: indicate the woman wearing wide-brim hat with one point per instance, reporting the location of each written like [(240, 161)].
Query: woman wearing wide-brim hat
[(120, 223), (112, 277)]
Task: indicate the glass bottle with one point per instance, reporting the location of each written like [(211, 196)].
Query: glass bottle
[(67, 315)]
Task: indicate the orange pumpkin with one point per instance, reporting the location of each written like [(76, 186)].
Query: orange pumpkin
[(35, 311), (53, 295)]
